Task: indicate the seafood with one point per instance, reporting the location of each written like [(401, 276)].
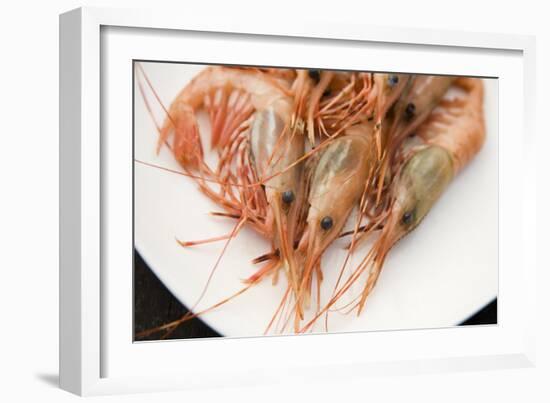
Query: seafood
[(347, 166), (283, 192), (421, 95), (344, 165), (299, 151), (450, 137), (258, 131)]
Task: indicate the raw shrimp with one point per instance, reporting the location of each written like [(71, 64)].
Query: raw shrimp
[(284, 192), (258, 131), (358, 125), (337, 185), (451, 136), (420, 97)]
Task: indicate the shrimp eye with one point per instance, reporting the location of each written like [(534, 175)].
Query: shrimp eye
[(288, 196), (407, 217), (392, 80), (409, 110), (315, 75), (326, 223)]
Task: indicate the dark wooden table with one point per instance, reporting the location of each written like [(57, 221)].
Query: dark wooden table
[(154, 306)]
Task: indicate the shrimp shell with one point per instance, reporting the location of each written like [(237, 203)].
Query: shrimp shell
[(263, 92), (457, 124)]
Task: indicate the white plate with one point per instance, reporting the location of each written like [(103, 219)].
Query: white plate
[(437, 276)]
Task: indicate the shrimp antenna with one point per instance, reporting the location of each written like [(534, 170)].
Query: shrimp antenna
[(192, 176), (170, 327), (373, 256), (350, 250), (279, 312), (155, 94), (233, 233), (363, 265)]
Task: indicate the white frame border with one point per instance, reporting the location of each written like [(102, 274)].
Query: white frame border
[(80, 260)]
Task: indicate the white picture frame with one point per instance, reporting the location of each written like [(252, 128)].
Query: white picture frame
[(87, 351)]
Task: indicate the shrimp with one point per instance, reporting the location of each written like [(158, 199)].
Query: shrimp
[(344, 166), (257, 128), (451, 136), (284, 191), (420, 97)]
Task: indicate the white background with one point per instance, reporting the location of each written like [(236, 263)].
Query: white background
[(28, 290)]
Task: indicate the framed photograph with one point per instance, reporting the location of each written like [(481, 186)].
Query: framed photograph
[(233, 195)]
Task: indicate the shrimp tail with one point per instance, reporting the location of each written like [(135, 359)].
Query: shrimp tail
[(180, 120)]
